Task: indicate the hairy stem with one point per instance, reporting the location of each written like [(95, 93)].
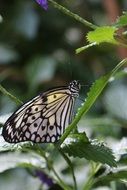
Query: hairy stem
[(6, 93), (60, 181), (70, 165), (73, 15)]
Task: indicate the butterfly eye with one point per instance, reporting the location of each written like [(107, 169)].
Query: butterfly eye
[(54, 96)]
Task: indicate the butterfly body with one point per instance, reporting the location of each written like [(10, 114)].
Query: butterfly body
[(44, 118)]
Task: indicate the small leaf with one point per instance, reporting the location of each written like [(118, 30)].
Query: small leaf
[(95, 151), (122, 20), (102, 34), (79, 136)]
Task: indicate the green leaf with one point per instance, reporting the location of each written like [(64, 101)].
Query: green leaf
[(102, 34), (79, 136), (116, 176), (91, 150), (93, 94), (99, 35), (122, 20)]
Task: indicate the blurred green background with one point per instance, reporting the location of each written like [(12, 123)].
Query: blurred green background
[(37, 52)]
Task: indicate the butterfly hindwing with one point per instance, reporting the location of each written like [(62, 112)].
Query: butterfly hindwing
[(43, 119)]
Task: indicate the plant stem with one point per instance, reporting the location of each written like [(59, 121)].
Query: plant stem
[(89, 183), (70, 165), (5, 92), (73, 15), (60, 181), (79, 50), (113, 185)]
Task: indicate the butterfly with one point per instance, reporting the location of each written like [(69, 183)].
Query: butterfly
[(43, 118)]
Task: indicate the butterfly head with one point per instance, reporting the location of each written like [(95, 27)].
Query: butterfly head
[(74, 87)]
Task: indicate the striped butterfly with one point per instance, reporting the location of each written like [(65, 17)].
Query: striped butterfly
[(44, 118)]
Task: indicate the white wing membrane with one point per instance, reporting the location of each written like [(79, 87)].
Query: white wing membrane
[(43, 119)]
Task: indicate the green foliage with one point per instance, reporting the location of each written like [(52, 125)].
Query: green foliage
[(102, 34), (105, 34), (122, 20), (79, 146)]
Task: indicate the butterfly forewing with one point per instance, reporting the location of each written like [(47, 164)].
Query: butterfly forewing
[(43, 119)]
